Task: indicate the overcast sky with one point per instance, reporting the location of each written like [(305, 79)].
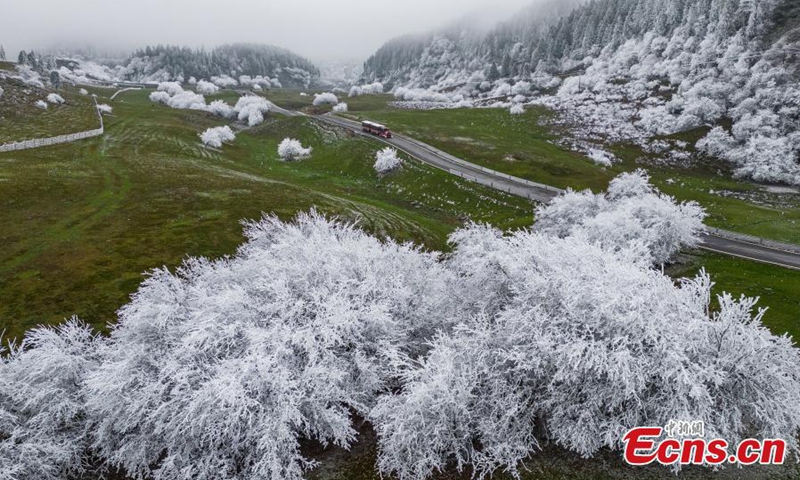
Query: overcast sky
[(340, 29)]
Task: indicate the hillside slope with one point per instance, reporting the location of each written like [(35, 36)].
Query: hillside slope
[(164, 63), (630, 70)]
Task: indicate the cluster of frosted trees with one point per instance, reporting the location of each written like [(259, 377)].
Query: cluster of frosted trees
[(249, 60), (249, 108), (641, 68), (471, 359)]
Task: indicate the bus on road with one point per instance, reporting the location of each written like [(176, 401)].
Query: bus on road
[(376, 129)]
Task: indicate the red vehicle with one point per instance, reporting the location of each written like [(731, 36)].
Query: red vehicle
[(376, 129)]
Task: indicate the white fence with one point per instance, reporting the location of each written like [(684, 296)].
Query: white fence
[(43, 142)]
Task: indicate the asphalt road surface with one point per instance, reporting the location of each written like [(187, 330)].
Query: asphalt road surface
[(777, 254)]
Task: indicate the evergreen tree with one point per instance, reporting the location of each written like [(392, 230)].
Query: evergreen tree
[(55, 79), (2, 53), (22, 58), (493, 73)]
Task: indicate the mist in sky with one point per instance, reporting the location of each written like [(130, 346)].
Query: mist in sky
[(317, 29)]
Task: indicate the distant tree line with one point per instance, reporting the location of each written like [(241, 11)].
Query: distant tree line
[(547, 34), (233, 60)]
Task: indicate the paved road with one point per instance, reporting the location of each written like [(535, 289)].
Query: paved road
[(726, 242)]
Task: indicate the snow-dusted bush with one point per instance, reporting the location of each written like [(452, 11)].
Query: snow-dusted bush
[(41, 104), (291, 149), (387, 160), (43, 429), (28, 76), (257, 88), (217, 370), (251, 108), (206, 88), (325, 98), (631, 215), (423, 95), (340, 107), (172, 88), (502, 90), (580, 343), (83, 91), (516, 109), (221, 109), (160, 97), (601, 157), (224, 81), (216, 136), (192, 81), (717, 142), (370, 89), (1, 92), (174, 96), (103, 108), (55, 99), (187, 100)]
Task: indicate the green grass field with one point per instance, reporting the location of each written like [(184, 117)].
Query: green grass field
[(83, 221), (17, 109)]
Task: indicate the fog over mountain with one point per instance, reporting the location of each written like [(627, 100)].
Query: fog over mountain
[(318, 29)]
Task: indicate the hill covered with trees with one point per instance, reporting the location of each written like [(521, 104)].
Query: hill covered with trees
[(167, 62), (630, 70)]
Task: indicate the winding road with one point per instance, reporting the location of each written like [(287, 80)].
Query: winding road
[(718, 241)]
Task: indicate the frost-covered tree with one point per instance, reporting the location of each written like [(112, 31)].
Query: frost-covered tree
[(216, 136), (55, 99), (575, 344), (172, 88), (206, 88), (43, 425), (290, 150), (631, 213), (340, 107), (218, 370), (326, 98), (387, 160), (55, 79), (252, 109), (516, 109), (369, 89)]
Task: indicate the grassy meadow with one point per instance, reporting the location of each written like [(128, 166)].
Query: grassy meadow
[(82, 222)]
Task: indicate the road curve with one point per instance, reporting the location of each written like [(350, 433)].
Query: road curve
[(775, 253)]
